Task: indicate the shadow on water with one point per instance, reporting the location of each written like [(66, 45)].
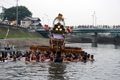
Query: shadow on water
[(56, 71), (117, 46)]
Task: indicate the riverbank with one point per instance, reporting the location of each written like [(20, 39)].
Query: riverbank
[(17, 32), (24, 42)]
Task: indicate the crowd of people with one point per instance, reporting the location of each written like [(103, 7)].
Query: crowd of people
[(46, 56), (11, 56), (8, 47)]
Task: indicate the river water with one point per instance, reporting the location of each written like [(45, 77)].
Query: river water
[(105, 67)]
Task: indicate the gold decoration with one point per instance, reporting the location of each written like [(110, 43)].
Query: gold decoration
[(60, 29), (56, 29), (58, 26)]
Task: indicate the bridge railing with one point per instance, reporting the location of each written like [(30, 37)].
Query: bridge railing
[(98, 26)]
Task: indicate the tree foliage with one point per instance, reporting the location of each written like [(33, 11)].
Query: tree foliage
[(10, 13)]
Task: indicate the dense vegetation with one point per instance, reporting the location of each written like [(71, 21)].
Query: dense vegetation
[(10, 13)]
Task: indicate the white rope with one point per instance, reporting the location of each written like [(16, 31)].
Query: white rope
[(6, 35)]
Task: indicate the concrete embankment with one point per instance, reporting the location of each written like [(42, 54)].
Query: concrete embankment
[(102, 40), (24, 42)]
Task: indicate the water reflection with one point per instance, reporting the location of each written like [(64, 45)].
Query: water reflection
[(57, 71)]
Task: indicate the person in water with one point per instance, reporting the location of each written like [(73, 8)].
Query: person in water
[(42, 57), (1, 59), (3, 56), (15, 58), (38, 56), (26, 60), (88, 57), (69, 56), (52, 59), (32, 57), (84, 57), (75, 57), (55, 56), (65, 60), (92, 58)]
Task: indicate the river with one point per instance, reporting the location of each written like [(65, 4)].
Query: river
[(105, 67)]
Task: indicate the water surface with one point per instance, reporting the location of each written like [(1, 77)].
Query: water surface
[(105, 67)]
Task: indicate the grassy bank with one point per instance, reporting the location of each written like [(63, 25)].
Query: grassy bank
[(13, 33)]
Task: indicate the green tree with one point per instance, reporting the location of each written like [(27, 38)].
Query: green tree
[(10, 13), (2, 13)]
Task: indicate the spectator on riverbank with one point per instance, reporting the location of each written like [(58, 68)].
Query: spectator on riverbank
[(12, 46), (7, 47)]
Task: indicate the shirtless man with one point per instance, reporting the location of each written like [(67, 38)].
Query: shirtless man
[(92, 58)]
